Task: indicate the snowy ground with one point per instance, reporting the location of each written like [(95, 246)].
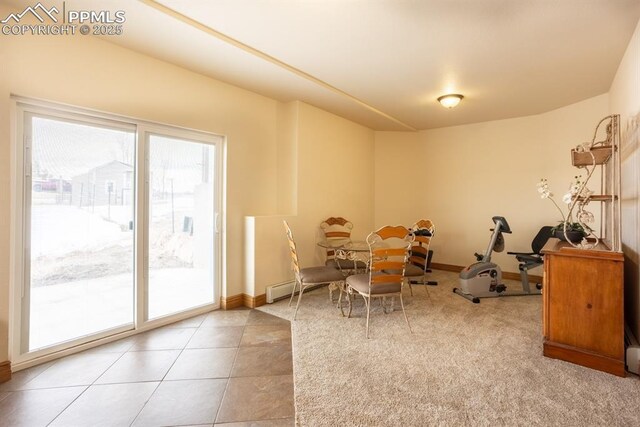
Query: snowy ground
[(71, 310), (82, 269)]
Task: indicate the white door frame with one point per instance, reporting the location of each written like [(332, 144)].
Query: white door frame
[(21, 111), (144, 133)]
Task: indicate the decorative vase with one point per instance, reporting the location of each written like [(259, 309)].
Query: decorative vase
[(575, 236)]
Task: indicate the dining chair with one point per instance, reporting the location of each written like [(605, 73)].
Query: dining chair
[(388, 250), (309, 276), (418, 266), (338, 229)]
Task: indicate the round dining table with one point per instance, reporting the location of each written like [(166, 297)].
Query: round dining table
[(356, 251), (352, 250)]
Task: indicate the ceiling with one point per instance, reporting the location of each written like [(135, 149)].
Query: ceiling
[(383, 63)]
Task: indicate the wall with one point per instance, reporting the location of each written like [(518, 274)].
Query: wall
[(462, 176), (331, 175), (287, 171), (335, 174), (624, 99), (89, 72)]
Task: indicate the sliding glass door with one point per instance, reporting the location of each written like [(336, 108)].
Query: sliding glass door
[(117, 226), (80, 245), (182, 232)]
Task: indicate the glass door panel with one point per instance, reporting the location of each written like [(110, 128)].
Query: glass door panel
[(80, 239), (181, 229)]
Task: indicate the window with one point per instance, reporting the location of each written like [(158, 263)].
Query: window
[(119, 225)]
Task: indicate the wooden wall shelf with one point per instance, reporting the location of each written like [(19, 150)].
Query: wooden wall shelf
[(583, 158), (600, 198)]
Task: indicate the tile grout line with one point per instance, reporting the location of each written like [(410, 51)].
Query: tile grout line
[(131, 349), (86, 387), (145, 403), (163, 377), (166, 373), (54, 362), (226, 387), (85, 390), (290, 346)]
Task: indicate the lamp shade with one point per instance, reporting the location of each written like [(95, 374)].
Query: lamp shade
[(450, 100)]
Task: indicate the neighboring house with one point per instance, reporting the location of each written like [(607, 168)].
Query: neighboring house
[(108, 184)]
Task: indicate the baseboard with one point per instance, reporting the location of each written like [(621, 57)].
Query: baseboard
[(231, 302), (246, 300), (533, 278), (446, 267), (242, 300), (253, 302), (5, 371)]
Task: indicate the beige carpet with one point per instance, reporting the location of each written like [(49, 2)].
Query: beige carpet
[(464, 364)]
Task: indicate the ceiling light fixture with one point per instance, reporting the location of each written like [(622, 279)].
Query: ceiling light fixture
[(450, 100)]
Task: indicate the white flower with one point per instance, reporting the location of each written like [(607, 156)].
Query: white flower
[(576, 196), (575, 186), (545, 193), (543, 189)]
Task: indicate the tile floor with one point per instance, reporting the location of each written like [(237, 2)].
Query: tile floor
[(225, 368)]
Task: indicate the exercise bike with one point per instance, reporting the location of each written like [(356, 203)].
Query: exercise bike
[(483, 279)]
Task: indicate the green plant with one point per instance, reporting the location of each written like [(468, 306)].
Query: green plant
[(571, 226), (568, 198)]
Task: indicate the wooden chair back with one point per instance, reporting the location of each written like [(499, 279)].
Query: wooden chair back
[(389, 250), (336, 228), (423, 231), (295, 265)]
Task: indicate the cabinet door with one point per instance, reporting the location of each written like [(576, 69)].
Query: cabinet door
[(585, 304)]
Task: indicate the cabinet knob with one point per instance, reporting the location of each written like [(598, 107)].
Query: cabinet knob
[(589, 305)]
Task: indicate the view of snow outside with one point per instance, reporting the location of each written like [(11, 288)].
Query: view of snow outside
[(181, 229), (82, 237)]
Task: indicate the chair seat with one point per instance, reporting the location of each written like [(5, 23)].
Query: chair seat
[(360, 282), (320, 275), (529, 258), (410, 270), (345, 264)]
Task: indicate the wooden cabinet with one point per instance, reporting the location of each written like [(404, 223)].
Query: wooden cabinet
[(583, 309)]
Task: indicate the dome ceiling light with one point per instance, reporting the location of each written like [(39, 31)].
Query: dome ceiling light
[(450, 100)]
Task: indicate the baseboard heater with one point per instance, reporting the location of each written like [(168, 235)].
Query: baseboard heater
[(283, 290), (633, 351)]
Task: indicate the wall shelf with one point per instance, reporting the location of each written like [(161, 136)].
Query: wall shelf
[(583, 295), (601, 158), (583, 158), (599, 198)]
